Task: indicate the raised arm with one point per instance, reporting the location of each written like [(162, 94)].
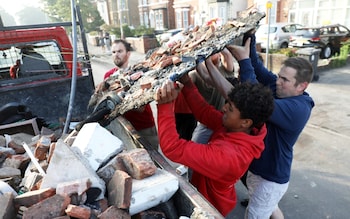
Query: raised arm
[(241, 54)]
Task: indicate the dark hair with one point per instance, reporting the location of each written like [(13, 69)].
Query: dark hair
[(126, 44), (254, 101), (303, 68)]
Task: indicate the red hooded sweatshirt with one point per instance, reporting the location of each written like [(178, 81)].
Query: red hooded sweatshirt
[(217, 165)]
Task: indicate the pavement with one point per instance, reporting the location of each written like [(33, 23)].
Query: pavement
[(320, 179)]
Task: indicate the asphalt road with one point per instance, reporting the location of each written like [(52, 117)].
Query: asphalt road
[(320, 181)]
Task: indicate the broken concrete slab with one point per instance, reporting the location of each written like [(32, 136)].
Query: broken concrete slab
[(97, 144), (153, 190), (57, 171), (7, 209)]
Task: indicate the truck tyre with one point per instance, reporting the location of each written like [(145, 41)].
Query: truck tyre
[(14, 112), (284, 45), (326, 52)]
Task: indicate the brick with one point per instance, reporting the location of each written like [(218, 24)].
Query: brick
[(119, 190), (32, 197), (114, 212), (19, 149), (103, 203), (48, 208), (138, 163), (7, 209), (42, 148), (78, 186), (107, 171), (18, 161), (78, 211)]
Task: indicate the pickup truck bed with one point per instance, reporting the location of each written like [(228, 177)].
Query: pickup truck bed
[(49, 99), (187, 197)]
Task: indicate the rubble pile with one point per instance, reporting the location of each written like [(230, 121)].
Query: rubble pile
[(133, 88), (87, 174)]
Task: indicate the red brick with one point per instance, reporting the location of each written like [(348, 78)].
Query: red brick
[(77, 186), (48, 208), (107, 171), (32, 197), (138, 163), (119, 190), (18, 161), (103, 204), (114, 212), (78, 212), (19, 149), (42, 148)]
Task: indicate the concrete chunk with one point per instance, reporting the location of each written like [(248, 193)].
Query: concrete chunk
[(57, 171), (7, 209), (153, 190), (97, 144)]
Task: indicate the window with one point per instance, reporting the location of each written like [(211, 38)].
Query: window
[(178, 19), (42, 58), (185, 19), (159, 19)]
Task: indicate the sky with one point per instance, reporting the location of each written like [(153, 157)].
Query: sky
[(13, 6)]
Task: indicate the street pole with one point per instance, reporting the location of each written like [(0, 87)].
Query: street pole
[(268, 6), (120, 20)]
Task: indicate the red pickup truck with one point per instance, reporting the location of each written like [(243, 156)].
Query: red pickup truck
[(36, 66)]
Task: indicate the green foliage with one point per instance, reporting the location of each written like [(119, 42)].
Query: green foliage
[(342, 58), (60, 10), (290, 52), (143, 30), (126, 30), (93, 33)]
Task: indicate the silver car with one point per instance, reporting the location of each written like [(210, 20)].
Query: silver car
[(279, 34)]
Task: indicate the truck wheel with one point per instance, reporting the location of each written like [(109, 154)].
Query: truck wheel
[(326, 52), (284, 45)]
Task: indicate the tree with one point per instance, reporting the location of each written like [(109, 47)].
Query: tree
[(31, 15), (60, 10)]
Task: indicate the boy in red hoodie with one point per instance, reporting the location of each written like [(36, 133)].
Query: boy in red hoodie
[(238, 133)]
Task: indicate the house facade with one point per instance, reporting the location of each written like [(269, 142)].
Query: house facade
[(119, 12), (172, 14), (168, 14), (306, 12)]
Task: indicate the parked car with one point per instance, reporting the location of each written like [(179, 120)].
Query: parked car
[(327, 38), (165, 36), (279, 34)]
